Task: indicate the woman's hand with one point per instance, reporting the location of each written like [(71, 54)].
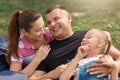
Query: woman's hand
[(43, 52)]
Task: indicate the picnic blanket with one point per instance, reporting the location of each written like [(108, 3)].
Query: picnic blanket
[(5, 74)]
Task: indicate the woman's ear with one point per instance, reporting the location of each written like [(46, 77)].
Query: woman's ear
[(24, 31)]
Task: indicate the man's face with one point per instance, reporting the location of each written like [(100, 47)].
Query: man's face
[(59, 23)]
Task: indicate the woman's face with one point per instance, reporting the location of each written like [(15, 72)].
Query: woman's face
[(36, 33)]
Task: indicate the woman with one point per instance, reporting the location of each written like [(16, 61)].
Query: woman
[(27, 41)]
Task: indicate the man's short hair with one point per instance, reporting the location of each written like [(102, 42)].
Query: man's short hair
[(56, 7)]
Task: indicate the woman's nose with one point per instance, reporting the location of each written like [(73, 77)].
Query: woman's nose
[(42, 32)]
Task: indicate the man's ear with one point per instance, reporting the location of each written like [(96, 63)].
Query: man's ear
[(70, 18)]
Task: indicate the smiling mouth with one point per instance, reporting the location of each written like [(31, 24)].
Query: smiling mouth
[(56, 27)]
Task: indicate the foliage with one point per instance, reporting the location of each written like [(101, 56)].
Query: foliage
[(87, 14)]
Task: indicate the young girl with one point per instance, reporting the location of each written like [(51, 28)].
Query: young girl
[(94, 45), (27, 41)]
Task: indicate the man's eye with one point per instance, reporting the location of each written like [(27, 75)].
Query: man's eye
[(56, 18), (48, 22)]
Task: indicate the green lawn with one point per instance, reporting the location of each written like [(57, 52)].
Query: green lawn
[(87, 14)]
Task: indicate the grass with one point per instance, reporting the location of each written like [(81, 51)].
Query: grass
[(87, 14)]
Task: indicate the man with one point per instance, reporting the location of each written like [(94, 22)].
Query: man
[(64, 47)]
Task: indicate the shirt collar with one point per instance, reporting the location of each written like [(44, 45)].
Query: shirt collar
[(26, 43)]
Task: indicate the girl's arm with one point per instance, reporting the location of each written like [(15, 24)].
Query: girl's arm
[(81, 53), (66, 75)]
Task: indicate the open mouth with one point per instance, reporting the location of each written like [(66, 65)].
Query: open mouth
[(56, 28)]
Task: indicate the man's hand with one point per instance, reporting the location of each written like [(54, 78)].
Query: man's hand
[(98, 69)]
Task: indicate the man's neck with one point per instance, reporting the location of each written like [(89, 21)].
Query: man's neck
[(65, 36)]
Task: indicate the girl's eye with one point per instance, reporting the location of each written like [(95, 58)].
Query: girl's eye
[(89, 37)]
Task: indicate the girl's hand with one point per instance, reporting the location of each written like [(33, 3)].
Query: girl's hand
[(82, 51)]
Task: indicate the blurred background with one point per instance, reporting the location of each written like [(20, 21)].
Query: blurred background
[(87, 14)]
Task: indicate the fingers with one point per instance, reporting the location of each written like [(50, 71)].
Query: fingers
[(62, 67), (45, 47), (101, 75), (85, 48), (98, 69), (93, 65), (43, 51)]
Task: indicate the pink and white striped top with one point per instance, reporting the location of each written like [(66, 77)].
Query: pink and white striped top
[(27, 51)]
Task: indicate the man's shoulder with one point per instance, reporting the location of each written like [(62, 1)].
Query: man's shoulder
[(80, 33)]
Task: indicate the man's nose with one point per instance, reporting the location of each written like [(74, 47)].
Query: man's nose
[(52, 23)]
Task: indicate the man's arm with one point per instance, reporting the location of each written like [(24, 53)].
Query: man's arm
[(41, 75), (36, 75), (115, 53), (104, 70)]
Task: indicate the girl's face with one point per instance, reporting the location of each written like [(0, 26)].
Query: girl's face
[(91, 40), (36, 33)]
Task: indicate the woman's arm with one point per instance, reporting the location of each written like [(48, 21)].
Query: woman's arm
[(40, 55), (53, 75)]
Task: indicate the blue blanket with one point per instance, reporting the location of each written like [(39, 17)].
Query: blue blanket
[(5, 74), (3, 45), (11, 75)]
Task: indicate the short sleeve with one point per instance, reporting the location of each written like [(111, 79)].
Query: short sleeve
[(13, 59), (48, 36)]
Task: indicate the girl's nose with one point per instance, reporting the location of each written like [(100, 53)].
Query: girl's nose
[(83, 39)]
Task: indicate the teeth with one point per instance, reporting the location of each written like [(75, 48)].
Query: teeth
[(56, 27)]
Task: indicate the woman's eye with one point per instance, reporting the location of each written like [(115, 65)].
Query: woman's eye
[(38, 30)]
